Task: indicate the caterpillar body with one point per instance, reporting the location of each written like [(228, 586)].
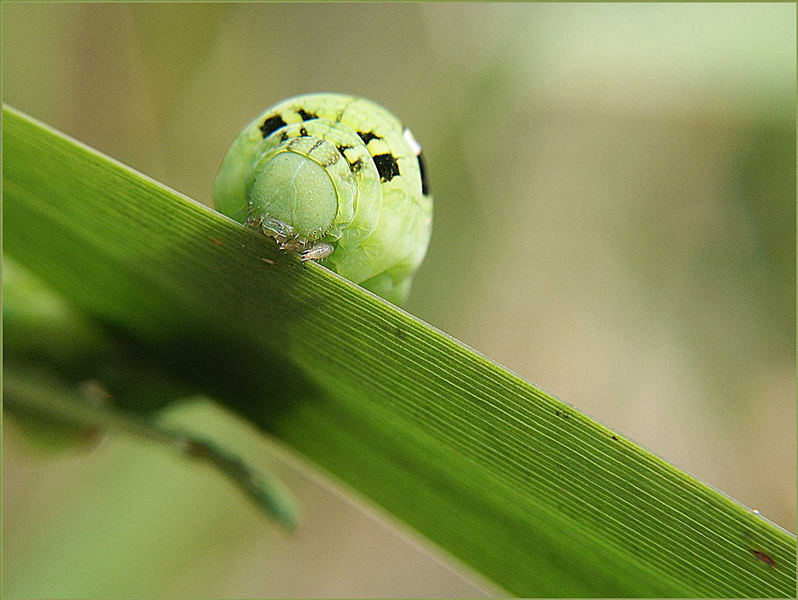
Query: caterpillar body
[(335, 178)]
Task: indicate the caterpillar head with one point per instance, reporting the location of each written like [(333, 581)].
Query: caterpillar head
[(297, 190), (336, 177)]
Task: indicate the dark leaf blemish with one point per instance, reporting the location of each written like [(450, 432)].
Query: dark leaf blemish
[(387, 166), (764, 558), (303, 132), (271, 125)]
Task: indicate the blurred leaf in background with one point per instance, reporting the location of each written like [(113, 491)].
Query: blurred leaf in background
[(615, 221)]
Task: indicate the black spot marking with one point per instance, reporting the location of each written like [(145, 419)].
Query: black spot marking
[(387, 166), (353, 166), (303, 132), (422, 168), (271, 125), (368, 136), (306, 116), (615, 438), (283, 136)]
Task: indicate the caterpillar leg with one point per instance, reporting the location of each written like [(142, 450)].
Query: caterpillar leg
[(317, 251)]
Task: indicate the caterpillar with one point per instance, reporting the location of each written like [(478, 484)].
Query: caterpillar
[(336, 179)]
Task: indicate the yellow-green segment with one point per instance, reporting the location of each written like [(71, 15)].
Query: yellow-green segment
[(337, 177)]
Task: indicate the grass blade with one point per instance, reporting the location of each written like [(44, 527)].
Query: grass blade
[(519, 486)]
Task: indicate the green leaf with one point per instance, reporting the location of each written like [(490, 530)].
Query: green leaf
[(39, 396), (519, 486)]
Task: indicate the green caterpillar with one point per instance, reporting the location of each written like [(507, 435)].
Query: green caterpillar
[(335, 178)]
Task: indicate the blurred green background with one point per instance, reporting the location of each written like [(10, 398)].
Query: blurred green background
[(614, 221)]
